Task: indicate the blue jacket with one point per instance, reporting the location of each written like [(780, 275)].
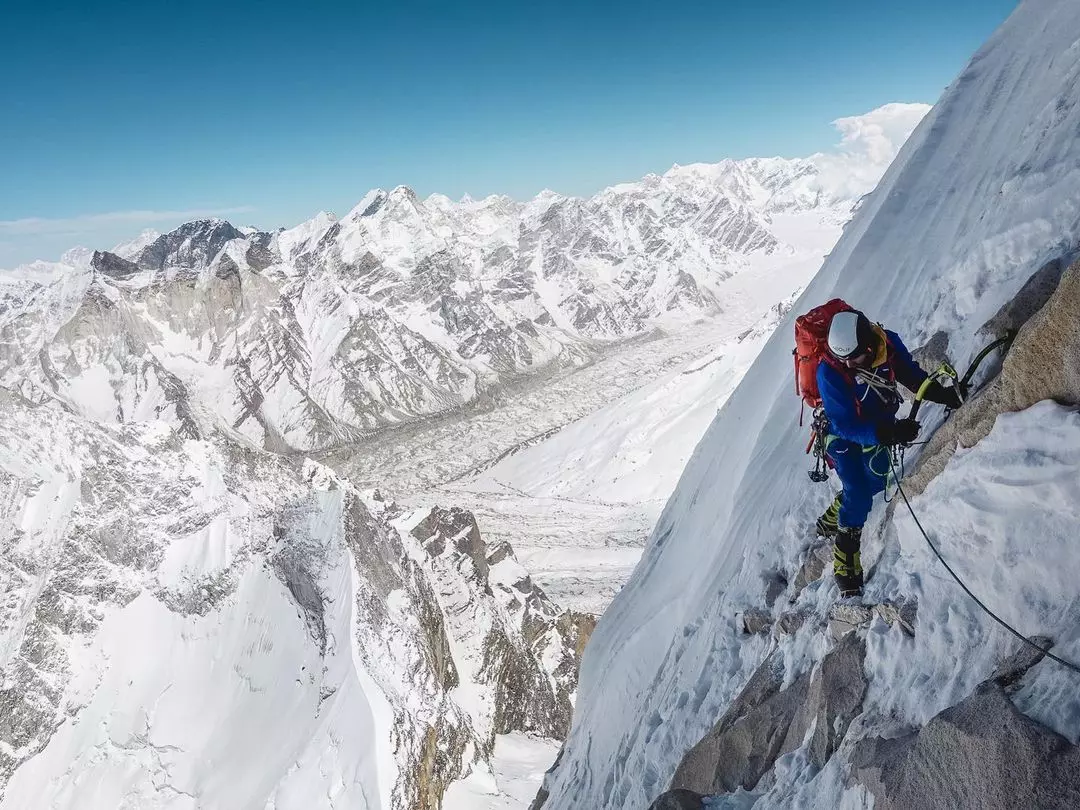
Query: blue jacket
[(841, 391)]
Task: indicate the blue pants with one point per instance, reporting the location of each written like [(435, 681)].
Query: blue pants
[(863, 471)]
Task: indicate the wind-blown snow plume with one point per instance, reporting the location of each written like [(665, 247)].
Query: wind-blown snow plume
[(868, 145)]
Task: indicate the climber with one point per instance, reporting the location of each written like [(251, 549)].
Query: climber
[(857, 385)]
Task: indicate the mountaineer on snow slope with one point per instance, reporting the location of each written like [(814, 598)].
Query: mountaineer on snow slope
[(849, 368)]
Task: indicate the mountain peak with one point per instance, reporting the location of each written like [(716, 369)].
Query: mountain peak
[(403, 192), (369, 204), (191, 246), (113, 266)]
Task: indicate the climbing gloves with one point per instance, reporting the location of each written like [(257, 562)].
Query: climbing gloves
[(902, 431), (847, 567), (949, 397)]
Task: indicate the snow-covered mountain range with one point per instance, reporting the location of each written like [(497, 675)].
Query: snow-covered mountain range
[(311, 337), (723, 668)]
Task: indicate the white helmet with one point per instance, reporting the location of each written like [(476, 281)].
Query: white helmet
[(850, 334)]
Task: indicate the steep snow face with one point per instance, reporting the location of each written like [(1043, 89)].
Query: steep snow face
[(983, 194), (313, 337)]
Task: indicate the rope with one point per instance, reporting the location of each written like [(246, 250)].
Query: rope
[(967, 590)]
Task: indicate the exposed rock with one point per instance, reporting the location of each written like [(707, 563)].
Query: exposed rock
[(836, 694), (458, 527), (577, 629), (192, 246), (845, 617), (1013, 668), (259, 254), (790, 622), (529, 651), (440, 762), (756, 621), (765, 721), (775, 584), (1040, 365), (747, 740), (812, 567), (113, 266), (501, 552), (932, 353), (678, 800), (981, 754)]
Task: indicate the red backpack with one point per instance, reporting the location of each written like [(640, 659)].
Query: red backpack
[(811, 347)]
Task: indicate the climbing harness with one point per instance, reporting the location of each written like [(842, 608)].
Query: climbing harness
[(967, 590)]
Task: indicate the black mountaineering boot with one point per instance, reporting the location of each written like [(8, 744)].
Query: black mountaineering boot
[(847, 567), (827, 524)]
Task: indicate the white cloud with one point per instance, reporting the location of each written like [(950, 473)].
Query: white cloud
[(868, 145), (880, 133), (89, 223)]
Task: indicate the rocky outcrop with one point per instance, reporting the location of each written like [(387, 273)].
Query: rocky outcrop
[(188, 249), (834, 699), (1041, 364), (113, 266), (678, 800), (768, 720), (812, 567), (513, 638), (981, 754)]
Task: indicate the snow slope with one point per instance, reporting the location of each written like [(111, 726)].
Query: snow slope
[(632, 451), (986, 190)]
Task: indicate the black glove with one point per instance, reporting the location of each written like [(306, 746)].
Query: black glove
[(949, 397), (902, 431)]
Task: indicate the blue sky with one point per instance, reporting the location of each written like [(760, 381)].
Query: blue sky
[(124, 115)]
